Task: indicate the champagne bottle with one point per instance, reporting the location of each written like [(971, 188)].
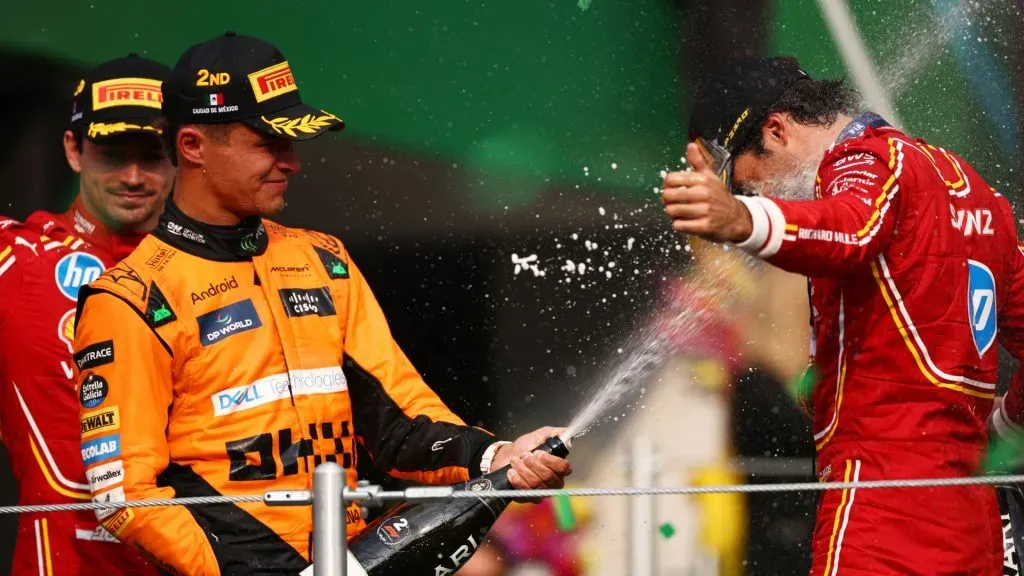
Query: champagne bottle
[(435, 538), (1011, 512)]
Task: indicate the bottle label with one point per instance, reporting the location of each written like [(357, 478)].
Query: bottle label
[(456, 559), (479, 485), (353, 567), (393, 531)]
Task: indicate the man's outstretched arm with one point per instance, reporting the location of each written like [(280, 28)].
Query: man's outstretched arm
[(1007, 419), (850, 225), (408, 431)]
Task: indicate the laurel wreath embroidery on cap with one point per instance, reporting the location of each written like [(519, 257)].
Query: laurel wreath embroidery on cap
[(308, 124), (104, 129)]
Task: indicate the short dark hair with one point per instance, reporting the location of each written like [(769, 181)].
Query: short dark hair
[(812, 103), (169, 135)]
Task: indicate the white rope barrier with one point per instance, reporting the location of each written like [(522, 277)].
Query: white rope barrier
[(130, 504), (423, 493), (740, 488)]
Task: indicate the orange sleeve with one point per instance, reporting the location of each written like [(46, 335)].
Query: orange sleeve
[(402, 423), (123, 370)]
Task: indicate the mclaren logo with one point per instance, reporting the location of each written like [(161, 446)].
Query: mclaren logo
[(272, 82), (126, 92)]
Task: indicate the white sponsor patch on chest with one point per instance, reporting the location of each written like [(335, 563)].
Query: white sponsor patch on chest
[(279, 387)]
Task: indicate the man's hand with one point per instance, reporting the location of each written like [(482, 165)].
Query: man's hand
[(1004, 453), (699, 203), (533, 470)]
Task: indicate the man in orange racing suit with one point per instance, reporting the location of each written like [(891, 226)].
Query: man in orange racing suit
[(124, 179), (916, 276), (231, 355)]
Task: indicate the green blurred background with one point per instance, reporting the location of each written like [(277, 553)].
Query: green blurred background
[(481, 129), (533, 89)]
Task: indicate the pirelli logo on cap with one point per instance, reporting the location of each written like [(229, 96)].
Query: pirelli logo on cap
[(126, 92), (272, 82)]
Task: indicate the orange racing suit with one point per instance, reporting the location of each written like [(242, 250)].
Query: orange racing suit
[(232, 361)]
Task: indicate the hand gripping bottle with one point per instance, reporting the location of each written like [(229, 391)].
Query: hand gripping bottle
[(433, 538)]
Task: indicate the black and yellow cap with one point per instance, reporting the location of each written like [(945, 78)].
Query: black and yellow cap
[(119, 96), (731, 105), (236, 78)]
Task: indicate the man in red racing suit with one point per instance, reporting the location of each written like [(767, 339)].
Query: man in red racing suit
[(124, 180), (913, 263)]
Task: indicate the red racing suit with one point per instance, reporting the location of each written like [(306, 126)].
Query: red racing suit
[(43, 263), (914, 263)]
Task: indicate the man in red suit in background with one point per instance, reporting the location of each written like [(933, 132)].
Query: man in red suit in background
[(113, 145)]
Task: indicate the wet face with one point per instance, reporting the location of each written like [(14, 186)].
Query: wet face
[(788, 168), (124, 180), (248, 170)]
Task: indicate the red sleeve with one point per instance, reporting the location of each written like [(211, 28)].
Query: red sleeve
[(10, 284), (10, 279), (15, 253), (849, 225), (1009, 417)]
